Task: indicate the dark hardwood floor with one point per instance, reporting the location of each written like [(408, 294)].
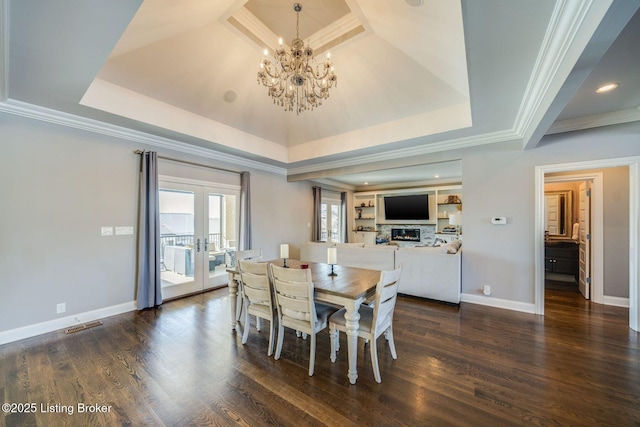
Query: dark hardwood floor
[(578, 365)]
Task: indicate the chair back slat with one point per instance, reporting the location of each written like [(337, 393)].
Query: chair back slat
[(299, 290), (251, 254), (257, 290), (291, 274), (253, 266)]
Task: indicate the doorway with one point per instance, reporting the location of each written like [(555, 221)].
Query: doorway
[(633, 164), (574, 233), (198, 235)]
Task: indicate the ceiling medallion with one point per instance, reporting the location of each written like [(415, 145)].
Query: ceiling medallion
[(294, 79)]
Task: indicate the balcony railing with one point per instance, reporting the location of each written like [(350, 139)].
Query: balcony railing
[(329, 236), (187, 240)]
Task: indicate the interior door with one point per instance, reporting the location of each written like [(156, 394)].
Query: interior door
[(584, 201), (198, 234), (553, 213)]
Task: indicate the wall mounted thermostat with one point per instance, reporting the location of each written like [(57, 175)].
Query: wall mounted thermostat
[(499, 220)]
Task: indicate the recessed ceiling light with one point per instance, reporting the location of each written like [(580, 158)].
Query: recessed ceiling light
[(437, 176), (607, 87), (415, 3), (366, 183)]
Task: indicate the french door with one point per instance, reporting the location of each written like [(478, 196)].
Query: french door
[(198, 235), (331, 220)]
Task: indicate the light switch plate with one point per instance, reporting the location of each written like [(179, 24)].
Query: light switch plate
[(124, 231), (501, 220), (106, 231)]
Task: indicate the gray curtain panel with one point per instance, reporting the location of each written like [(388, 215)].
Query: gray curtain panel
[(245, 211), (345, 224), (317, 214), (149, 292)]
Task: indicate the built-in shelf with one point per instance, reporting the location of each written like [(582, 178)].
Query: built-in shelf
[(443, 201)]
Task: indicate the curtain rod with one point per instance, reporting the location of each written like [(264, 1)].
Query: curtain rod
[(190, 163)]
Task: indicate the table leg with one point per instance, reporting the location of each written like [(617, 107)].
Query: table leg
[(233, 297), (352, 320)]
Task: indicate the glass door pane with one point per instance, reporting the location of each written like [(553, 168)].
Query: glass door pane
[(335, 223), (177, 243), (221, 236)]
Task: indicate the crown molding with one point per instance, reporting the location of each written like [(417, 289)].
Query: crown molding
[(428, 148), (69, 120), (35, 112), (596, 120), (570, 22), (4, 50)]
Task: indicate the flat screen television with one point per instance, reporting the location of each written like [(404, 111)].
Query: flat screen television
[(408, 207)]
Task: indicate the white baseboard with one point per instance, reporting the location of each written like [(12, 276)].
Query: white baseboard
[(64, 322), (498, 303), (525, 307), (617, 301)]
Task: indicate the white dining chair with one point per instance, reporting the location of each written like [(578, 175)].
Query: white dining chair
[(374, 321), (247, 254), (257, 298), (296, 307)]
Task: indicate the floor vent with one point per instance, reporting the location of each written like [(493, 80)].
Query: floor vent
[(82, 327)]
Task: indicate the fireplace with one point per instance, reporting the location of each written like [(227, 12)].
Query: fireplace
[(405, 234)]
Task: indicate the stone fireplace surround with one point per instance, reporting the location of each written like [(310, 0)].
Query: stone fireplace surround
[(427, 234)]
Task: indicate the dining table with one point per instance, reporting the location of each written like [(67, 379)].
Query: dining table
[(349, 287)]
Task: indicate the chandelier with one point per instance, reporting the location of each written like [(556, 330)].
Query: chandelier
[(295, 81)]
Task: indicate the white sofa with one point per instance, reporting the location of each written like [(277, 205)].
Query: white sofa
[(428, 272), (359, 255), (375, 257)]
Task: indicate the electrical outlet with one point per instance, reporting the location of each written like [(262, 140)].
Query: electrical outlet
[(61, 308), (486, 290)]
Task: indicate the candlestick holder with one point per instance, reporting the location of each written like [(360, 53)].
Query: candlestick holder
[(332, 259), (333, 273), (284, 254)]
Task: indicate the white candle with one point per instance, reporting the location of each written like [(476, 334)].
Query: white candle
[(332, 256), (284, 250)]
